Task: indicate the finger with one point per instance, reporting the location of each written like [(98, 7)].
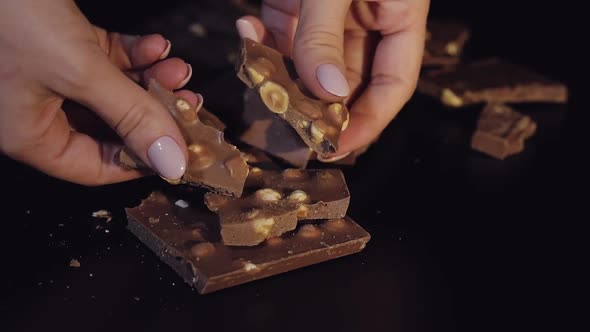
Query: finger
[(252, 28), (129, 52), (137, 117), (394, 75), (280, 17), (172, 73), (52, 147), (318, 48)]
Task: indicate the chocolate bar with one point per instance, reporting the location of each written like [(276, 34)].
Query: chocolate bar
[(501, 131), (212, 162), (187, 239), (445, 41), (273, 201), (490, 81), (272, 75)]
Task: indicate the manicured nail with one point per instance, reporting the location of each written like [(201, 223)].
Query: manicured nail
[(199, 101), (166, 50), (187, 78), (332, 80), (166, 158), (246, 29), (332, 159)]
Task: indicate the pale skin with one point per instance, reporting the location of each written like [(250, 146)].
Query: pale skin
[(49, 53)]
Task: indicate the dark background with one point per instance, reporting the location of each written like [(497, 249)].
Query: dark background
[(460, 241)]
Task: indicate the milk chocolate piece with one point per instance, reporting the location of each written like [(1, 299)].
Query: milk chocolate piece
[(272, 75), (445, 41), (501, 131), (271, 134), (187, 239), (276, 137), (212, 163), (490, 81), (273, 201)]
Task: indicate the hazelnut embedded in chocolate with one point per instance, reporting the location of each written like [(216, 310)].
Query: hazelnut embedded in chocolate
[(268, 195), (275, 97)]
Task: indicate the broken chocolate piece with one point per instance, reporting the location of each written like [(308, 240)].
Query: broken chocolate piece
[(318, 123), (273, 201), (501, 131), (490, 81), (188, 241), (212, 162), (271, 134), (445, 41)]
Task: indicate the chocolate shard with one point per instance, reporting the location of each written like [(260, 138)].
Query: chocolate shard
[(490, 81), (317, 122), (501, 131), (273, 201), (212, 162), (187, 239), (445, 41)]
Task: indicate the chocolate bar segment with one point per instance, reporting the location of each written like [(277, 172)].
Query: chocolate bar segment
[(187, 239), (445, 41), (212, 162), (501, 131), (490, 81), (271, 74), (273, 201)]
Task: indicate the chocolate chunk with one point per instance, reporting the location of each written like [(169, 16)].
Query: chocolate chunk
[(212, 163), (273, 201), (271, 74), (271, 134), (501, 131), (276, 137), (490, 81), (445, 41), (188, 241)]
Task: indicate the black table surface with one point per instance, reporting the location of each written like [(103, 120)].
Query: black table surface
[(460, 241)]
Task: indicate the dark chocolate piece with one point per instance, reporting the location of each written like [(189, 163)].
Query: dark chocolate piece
[(490, 81), (212, 163), (318, 123), (273, 201), (445, 41), (501, 131), (187, 239)]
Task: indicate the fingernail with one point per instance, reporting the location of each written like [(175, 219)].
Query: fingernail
[(187, 78), (166, 50), (246, 29), (332, 80), (332, 159), (199, 101), (166, 158)]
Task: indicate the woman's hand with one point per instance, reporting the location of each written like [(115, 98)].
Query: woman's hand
[(368, 52), (49, 52)]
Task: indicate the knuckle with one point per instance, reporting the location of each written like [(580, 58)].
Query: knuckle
[(134, 118), (76, 73), (318, 36)]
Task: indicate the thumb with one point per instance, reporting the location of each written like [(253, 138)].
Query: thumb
[(318, 48), (139, 119)]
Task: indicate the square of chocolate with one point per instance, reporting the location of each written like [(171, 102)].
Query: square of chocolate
[(445, 41)]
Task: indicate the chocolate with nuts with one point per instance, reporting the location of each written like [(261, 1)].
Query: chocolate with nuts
[(212, 162), (501, 131), (445, 41), (273, 201), (187, 239), (490, 81), (318, 123)]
